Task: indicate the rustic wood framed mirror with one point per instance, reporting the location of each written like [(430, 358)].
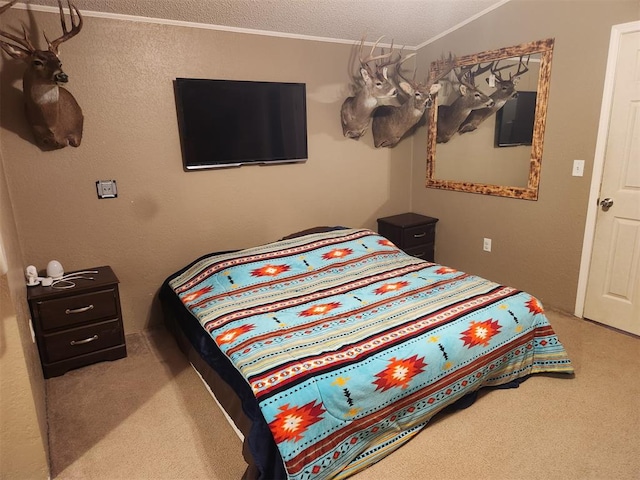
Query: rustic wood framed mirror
[(476, 161)]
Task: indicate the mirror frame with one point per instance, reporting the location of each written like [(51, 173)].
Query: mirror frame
[(530, 192)]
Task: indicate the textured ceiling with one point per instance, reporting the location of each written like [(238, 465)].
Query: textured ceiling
[(407, 22)]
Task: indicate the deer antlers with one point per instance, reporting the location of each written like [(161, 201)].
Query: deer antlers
[(467, 74), (6, 7), (76, 26), (440, 69), (365, 62), (25, 45), (523, 67)]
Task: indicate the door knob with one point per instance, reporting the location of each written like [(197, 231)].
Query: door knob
[(606, 203)]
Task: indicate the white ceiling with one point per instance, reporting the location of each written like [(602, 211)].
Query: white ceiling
[(408, 22)]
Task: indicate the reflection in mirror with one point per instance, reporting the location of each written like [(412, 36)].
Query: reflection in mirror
[(485, 156)]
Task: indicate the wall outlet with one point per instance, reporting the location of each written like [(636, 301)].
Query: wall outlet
[(106, 189), (486, 245)]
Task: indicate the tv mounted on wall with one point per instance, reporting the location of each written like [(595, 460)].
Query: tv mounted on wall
[(229, 123), (514, 121)]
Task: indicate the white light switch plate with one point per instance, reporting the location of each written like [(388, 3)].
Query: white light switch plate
[(578, 168)]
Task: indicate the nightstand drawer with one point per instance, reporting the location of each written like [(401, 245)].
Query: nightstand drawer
[(425, 252), (77, 309), (82, 340), (419, 235)]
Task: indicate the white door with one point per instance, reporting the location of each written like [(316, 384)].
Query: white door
[(613, 288)]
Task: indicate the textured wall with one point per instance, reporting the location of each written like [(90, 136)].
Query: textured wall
[(536, 245), (23, 428), (121, 73)]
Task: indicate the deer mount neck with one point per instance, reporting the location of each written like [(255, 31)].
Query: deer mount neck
[(39, 91)]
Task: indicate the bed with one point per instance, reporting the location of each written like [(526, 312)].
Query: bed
[(331, 348)]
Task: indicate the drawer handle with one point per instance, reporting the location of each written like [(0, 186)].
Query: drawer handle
[(86, 340), (419, 235), (69, 311)]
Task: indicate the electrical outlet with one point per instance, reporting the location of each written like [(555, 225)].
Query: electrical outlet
[(106, 189), (486, 245)]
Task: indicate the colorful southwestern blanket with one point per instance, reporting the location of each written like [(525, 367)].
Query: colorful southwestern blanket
[(351, 346)]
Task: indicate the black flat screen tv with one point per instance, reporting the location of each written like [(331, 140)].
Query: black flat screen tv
[(229, 123), (515, 120)]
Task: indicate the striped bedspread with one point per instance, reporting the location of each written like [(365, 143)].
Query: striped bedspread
[(351, 346)]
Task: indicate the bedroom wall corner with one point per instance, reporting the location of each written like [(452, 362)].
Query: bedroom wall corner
[(23, 426), (536, 244)]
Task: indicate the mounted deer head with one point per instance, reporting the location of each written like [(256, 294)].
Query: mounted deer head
[(356, 111), (450, 117), (55, 116), (505, 90), (391, 123)]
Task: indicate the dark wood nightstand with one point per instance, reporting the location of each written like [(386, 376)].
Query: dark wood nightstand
[(78, 326), (413, 233)]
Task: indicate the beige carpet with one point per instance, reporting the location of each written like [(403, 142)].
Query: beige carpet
[(148, 416)]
